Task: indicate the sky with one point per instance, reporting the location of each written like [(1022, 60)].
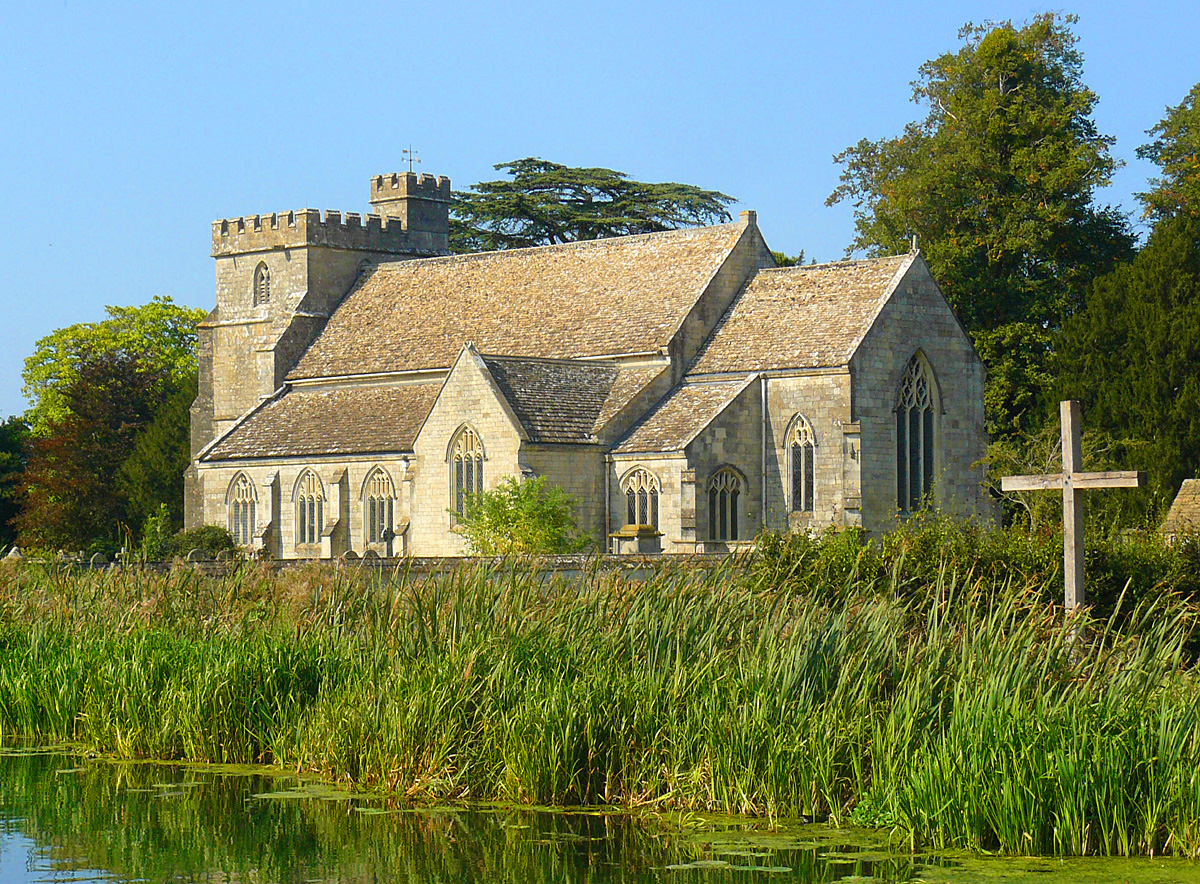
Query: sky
[(126, 129)]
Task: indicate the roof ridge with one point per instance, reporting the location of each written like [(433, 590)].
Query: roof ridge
[(553, 247), (845, 262)]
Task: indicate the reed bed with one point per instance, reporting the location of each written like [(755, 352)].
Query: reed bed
[(955, 707)]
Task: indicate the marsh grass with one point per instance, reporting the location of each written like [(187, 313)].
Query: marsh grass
[(930, 693)]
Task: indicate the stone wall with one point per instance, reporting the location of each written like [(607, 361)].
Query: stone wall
[(917, 317), (733, 439)]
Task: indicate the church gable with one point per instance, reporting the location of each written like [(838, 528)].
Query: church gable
[(628, 295), (680, 417)]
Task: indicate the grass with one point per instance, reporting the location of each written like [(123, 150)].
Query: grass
[(919, 684)]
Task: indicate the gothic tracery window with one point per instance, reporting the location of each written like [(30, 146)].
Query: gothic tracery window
[(243, 509), (802, 450), (380, 496), (310, 508), (642, 491), (466, 469), (915, 402), (262, 284), (724, 492)]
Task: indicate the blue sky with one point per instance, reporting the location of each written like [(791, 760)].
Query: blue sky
[(125, 129)]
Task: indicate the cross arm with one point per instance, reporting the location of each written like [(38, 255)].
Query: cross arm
[(1113, 479), (1045, 482)]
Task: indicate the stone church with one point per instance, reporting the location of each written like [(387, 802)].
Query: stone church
[(357, 382)]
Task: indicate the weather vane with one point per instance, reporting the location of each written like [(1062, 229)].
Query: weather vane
[(411, 155)]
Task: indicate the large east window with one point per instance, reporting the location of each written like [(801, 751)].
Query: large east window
[(915, 440)]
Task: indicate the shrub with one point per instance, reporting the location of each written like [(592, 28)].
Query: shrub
[(521, 518), (211, 539)]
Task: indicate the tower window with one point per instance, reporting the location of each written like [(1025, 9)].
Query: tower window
[(262, 284)]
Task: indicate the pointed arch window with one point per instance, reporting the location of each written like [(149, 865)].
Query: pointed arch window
[(642, 491), (243, 509), (262, 284), (802, 456), (466, 469), (380, 497), (724, 495), (310, 508), (915, 440)]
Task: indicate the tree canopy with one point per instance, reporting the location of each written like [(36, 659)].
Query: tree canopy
[(544, 203), (161, 335), (997, 182), (1132, 356), (1176, 150)]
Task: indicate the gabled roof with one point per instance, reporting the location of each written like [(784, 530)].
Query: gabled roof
[(604, 297), (801, 317), (1184, 517), (350, 420), (559, 400), (681, 416)]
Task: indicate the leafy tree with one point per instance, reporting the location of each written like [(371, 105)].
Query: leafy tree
[(521, 518), (998, 184), (70, 493), (161, 335), (544, 203), (1132, 357), (14, 433), (152, 476), (1176, 150)]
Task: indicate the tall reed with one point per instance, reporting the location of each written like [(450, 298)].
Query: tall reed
[(952, 705)]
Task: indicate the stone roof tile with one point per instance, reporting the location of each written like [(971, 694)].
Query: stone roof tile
[(603, 297), (349, 420), (566, 401), (682, 413), (799, 317)]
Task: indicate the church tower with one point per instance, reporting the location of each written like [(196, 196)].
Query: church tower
[(279, 277)]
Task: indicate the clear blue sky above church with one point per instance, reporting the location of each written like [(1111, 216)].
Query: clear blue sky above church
[(127, 128)]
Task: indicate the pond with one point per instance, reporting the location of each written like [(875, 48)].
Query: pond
[(66, 818)]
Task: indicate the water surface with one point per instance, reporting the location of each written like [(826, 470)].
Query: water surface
[(64, 818)]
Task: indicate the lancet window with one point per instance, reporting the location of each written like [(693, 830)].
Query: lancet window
[(380, 496), (310, 508), (724, 493), (262, 284), (466, 469), (243, 509), (802, 451), (642, 491), (915, 440)]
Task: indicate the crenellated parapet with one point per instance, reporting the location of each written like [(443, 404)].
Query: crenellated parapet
[(307, 227), (405, 185)]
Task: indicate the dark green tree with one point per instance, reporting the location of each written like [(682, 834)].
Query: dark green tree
[(998, 181), (1176, 150), (1132, 357), (70, 491), (544, 203), (14, 435), (152, 476)]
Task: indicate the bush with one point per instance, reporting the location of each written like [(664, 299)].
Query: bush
[(210, 539), (521, 518)]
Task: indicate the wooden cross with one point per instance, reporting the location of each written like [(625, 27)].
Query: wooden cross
[(1070, 481)]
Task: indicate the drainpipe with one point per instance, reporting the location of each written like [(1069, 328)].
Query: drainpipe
[(607, 502), (762, 505)]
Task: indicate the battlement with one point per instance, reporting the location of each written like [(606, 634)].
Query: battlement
[(282, 230), (405, 185)]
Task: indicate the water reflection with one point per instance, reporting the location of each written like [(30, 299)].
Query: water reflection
[(64, 819)]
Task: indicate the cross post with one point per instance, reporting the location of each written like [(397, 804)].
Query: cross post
[(1070, 480)]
